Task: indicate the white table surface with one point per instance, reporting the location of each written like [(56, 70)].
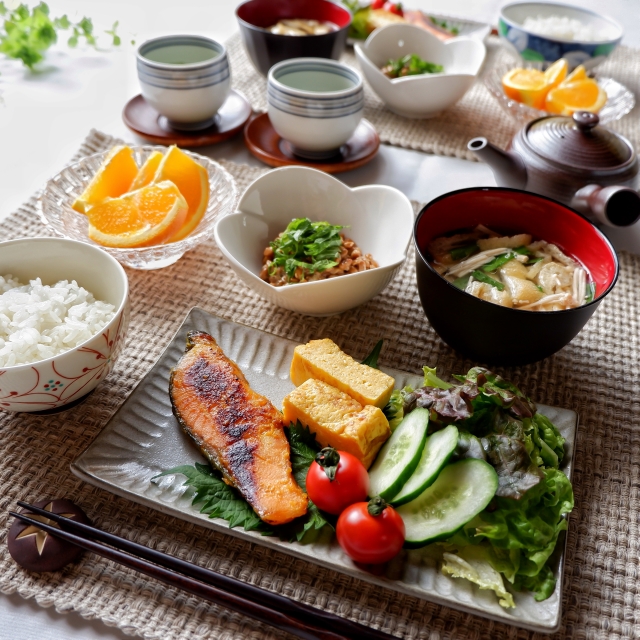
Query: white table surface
[(44, 116)]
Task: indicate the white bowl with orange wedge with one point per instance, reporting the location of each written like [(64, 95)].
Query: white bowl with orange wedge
[(144, 205), (526, 93)]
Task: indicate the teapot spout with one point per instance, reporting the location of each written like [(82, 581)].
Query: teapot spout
[(613, 206), (508, 168)]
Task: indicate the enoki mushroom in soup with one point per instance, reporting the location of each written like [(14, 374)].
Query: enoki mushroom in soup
[(513, 271)]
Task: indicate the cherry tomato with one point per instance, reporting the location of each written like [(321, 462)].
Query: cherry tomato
[(377, 4), (335, 480), (370, 532), (394, 7)]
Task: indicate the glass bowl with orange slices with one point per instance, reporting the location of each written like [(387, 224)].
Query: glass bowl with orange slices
[(144, 205), (525, 92)]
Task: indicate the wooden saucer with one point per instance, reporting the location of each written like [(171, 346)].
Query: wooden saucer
[(144, 120), (266, 145)]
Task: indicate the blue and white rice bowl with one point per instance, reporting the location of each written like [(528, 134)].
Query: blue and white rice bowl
[(537, 48), (315, 104), (188, 93)]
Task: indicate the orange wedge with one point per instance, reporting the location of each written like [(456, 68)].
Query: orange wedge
[(579, 73), (583, 95), (556, 73), (113, 178), (141, 218), (147, 171), (192, 180), (526, 85)]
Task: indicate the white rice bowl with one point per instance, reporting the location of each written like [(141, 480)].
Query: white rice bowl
[(39, 321)]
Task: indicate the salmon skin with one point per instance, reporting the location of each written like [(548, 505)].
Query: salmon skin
[(239, 431)]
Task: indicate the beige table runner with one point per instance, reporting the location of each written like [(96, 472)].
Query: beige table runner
[(476, 114), (598, 375)]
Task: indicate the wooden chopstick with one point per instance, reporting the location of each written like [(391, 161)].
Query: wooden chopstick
[(297, 618)]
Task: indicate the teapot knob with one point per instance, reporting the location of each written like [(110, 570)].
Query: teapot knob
[(586, 120)]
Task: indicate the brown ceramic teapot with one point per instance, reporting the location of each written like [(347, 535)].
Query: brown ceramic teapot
[(572, 160)]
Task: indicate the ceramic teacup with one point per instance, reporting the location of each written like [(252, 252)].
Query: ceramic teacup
[(315, 104), (184, 78)]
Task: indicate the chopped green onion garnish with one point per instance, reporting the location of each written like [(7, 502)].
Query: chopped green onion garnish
[(591, 292), (463, 252), (483, 277), (498, 261)]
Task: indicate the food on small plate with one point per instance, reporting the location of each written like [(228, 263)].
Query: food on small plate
[(42, 321), (239, 431), (513, 271), (337, 420), (335, 480), (410, 65), (555, 91), (307, 251), (325, 361), (370, 532), (112, 179), (129, 206), (367, 17), (565, 28), (302, 27), (152, 215)]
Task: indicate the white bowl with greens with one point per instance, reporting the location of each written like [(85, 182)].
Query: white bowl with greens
[(379, 219), (451, 68)]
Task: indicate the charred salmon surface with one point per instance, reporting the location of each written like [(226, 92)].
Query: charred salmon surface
[(239, 431)]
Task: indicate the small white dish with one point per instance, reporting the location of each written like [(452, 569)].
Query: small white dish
[(378, 218), (427, 95), (315, 104), (185, 78), (57, 381)]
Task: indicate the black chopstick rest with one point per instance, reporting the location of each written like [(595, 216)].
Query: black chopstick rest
[(34, 549)]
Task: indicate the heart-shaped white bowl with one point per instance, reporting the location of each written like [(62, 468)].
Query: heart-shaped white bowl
[(378, 218), (427, 95)]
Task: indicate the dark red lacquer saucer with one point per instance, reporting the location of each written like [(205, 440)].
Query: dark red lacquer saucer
[(266, 145), (144, 120)]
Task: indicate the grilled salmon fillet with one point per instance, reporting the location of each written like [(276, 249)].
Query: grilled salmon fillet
[(238, 430)]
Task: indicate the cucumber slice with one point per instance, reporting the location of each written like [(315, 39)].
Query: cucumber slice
[(461, 491), (399, 456), (436, 453)]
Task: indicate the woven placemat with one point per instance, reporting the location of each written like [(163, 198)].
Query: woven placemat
[(476, 114), (598, 375)]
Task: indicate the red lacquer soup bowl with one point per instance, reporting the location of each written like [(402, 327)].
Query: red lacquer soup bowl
[(488, 332), (266, 49)]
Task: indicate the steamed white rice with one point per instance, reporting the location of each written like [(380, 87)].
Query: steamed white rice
[(564, 28), (41, 321)]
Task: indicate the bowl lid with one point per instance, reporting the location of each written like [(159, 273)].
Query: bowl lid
[(578, 142)]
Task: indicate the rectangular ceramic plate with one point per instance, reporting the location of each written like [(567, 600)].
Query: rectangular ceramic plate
[(143, 438)]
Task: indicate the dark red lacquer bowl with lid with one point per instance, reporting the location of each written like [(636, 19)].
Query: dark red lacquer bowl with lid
[(487, 332), (266, 49)]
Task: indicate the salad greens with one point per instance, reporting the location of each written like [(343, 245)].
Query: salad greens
[(410, 65), (517, 534), (443, 24), (218, 500), (311, 246), (26, 34)]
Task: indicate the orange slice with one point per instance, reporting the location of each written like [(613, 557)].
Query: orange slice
[(526, 85), (579, 73), (147, 171), (192, 180), (556, 73), (113, 178), (583, 95), (141, 218)]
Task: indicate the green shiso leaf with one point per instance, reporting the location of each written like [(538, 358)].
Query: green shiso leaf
[(217, 499)]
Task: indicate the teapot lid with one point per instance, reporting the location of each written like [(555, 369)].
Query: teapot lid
[(578, 142)]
